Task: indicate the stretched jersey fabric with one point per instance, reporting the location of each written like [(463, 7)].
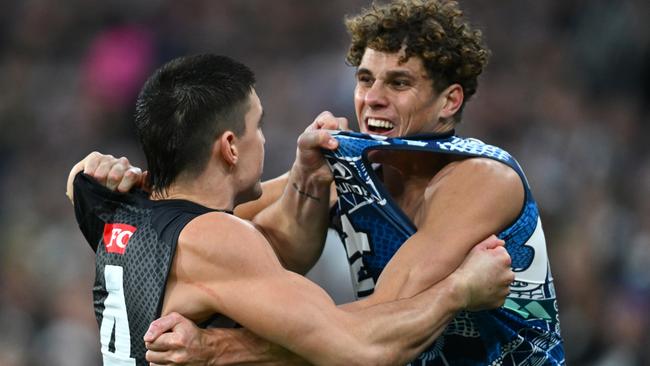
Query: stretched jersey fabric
[(525, 331), (134, 240)]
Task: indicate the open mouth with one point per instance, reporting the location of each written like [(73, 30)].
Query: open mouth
[(379, 126)]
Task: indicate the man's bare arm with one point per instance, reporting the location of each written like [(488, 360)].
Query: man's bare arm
[(296, 224), (492, 197), (174, 338), (287, 309)]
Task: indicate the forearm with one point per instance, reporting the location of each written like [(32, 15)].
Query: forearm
[(391, 333), (296, 225), (224, 347), (403, 329)]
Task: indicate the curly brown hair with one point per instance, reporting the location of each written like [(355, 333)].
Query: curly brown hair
[(434, 30)]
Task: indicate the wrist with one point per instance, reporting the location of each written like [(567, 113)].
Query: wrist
[(313, 184), (315, 173), (209, 348), (457, 290)]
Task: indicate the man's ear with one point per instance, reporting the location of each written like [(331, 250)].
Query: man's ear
[(452, 99), (225, 145)]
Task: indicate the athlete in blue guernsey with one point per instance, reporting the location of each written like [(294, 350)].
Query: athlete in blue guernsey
[(525, 331)]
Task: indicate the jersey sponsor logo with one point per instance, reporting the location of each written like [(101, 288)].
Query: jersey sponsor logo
[(348, 185), (341, 171), (116, 237)]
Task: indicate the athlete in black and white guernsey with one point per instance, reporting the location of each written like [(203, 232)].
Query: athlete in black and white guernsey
[(130, 284), (177, 251)]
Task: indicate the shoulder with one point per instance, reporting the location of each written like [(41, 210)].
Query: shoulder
[(482, 171), (223, 240), (477, 184), (218, 222)]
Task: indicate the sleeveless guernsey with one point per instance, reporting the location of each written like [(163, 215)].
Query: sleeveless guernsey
[(525, 331)]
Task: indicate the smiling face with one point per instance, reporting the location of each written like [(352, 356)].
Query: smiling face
[(397, 99)]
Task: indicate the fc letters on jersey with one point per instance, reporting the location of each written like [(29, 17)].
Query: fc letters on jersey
[(116, 237)]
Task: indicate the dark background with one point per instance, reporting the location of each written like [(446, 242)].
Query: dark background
[(566, 92)]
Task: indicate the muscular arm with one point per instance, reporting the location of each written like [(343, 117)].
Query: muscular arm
[(296, 224), (248, 284), (470, 200)]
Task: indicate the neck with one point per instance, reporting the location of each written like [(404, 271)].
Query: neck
[(407, 173), (407, 190), (399, 181), (212, 192)]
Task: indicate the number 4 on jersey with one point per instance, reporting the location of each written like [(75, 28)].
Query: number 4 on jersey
[(115, 322)]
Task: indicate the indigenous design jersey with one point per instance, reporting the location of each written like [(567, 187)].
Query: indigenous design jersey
[(525, 331), (134, 240)]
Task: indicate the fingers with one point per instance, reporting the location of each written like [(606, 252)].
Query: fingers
[(132, 177), (342, 124), (491, 242), (317, 139), (88, 165), (116, 173), (327, 121), (159, 358), (99, 166), (165, 342), (92, 161), (503, 253), (162, 325)]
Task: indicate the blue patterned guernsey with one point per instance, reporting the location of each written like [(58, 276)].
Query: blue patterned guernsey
[(525, 331)]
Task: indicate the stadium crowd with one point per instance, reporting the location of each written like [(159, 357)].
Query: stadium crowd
[(567, 92)]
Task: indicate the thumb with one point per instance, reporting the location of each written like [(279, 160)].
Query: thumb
[(162, 325), (491, 242), (316, 139)]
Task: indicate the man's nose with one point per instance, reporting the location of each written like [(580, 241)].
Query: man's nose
[(376, 96)]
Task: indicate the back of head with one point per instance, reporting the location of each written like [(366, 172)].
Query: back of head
[(434, 30), (183, 107)]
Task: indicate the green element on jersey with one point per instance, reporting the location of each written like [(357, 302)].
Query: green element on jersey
[(542, 309)]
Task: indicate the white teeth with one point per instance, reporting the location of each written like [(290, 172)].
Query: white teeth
[(380, 123)]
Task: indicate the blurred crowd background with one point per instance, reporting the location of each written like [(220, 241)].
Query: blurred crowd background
[(567, 92)]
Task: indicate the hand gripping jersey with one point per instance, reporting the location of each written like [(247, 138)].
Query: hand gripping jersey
[(134, 240), (525, 331)]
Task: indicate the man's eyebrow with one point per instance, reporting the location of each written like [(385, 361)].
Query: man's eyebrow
[(363, 70), (399, 73), (391, 74)]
